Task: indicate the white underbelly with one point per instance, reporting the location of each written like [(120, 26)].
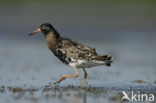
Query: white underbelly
[(85, 64)]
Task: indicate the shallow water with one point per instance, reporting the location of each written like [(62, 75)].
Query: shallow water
[(27, 67), (69, 94)]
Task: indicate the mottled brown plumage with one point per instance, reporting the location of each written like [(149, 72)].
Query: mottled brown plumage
[(78, 51), (71, 52), (72, 49)]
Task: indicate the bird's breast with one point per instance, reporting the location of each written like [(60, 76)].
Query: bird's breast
[(51, 43)]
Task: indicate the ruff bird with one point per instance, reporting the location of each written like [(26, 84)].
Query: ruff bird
[(71, 52)]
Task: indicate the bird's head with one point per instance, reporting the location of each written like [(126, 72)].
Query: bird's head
[(45, 29)]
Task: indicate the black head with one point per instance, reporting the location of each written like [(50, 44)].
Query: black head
[(45, 29)]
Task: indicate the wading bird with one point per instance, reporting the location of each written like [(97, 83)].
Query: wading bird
[(71, 52)]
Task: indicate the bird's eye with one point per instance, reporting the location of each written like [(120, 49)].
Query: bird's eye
[(44, 27)]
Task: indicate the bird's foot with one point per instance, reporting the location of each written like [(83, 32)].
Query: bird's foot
[(56, 84)]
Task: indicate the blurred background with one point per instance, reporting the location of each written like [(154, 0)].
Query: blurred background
[(124, 29)]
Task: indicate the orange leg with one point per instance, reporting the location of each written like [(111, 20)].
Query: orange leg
[(85, 76), (68, 76)]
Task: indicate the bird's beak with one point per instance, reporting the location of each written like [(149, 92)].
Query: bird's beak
[(36, 31)]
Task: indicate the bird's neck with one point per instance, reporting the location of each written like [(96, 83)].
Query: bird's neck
[(51, 40)]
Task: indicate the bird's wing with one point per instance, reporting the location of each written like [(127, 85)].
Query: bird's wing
[(75, 50)]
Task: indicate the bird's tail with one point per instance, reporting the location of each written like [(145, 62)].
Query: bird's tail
[(107, 59)]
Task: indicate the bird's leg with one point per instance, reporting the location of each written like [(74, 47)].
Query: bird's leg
[(85, 76), (68, 76)]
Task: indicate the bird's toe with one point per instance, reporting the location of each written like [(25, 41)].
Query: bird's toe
[(56, 84)]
